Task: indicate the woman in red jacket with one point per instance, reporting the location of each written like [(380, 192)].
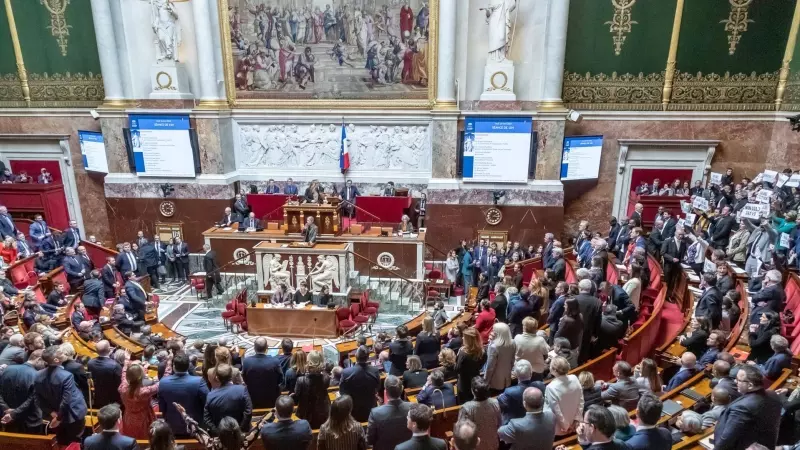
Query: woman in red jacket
[(8, 250), (485, 320)]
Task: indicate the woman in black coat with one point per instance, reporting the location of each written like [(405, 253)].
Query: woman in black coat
[(760, 335), (428, 345), (311, 392), (571, 324), (695, 341)]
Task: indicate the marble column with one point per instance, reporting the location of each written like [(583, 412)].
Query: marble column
[(205, 53), (555, 50), (446, 76), (107, 52)]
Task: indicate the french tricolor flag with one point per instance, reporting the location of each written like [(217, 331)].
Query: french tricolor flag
[(344, 154)]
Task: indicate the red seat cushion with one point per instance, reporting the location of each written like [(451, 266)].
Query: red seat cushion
[(228, 314), (238, 319), (370, 311)]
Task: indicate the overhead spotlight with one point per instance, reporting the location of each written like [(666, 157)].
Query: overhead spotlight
[(95, 115), (574, 116), (497, 195), (795, 122)]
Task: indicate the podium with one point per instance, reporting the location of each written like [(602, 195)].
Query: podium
[(326, 217)]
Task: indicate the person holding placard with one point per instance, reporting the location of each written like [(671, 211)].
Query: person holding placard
[(781, 225), (757, 245), (696, 253), (721, 227)]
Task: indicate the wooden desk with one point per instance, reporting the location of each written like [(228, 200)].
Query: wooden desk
[(292, 322), (326, 217)]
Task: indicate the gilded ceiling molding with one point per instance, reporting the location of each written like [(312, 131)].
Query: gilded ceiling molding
[(59, 28), (791, 96), (615, 92), (54, 90), (783, 75), (669, 73), (713, 92), (621, 23), (736, 23)]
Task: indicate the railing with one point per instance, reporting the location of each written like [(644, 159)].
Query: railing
[(435, 259), (395, 292), (234, 280)]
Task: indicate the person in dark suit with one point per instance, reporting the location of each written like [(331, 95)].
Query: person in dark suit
[(140, 239), (752, 418), (589, 306), (511, 400), (76, 369), (536, 430), (672, 251), (612, 329), (389, 190), (387, 424), (109, 438), (480, 256), (71, 237), (710, 303), (136, 296), (76, 273), (310, 231), (616, 295), (59, 397), (240, 206), (781, 359), (185, 389), (399, 350), (655, 240), (500, 302), (21, 414), (211, 268), (725, 282), (272, 188), (106, 376), (419, 422), (559, 265), (547, 260), (150, 260), (436, 392), (290, 188), (7, 226), (361, 382), (24, 248), (688, 369), (721, 227), (126, 260), (93, 297), (229, 400), (229, 218), (636, 215), (649, 436), (286, 433), (721, 370), (109, 276), (56, 298), (263, 376), (348, 195), (598, 428), (181, 250)]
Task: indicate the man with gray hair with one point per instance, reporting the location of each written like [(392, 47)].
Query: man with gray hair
[(213, 277), (14, 353), (771, 297), (511, 400), (547, 256), (781, 359), (589, 306), (465, 435), (559, 265), (536, 430)]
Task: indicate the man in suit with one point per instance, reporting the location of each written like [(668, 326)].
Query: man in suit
[(290, 188), (229, 218), (251, 223), (536, 430), (228, 400), (655, 187), (710, 303), (623, 237), (161, 255), (7, 226), (310, 231), (136, 296), (436, 392), (348, 195), (286, 433), (547, 257), (185, 389), (753, 418), (389, 191), (106, 375), (56, 298), (387, 424), (672, 251), (109, 438), (419, 422), (240, 206), (688, 370), (465, 435), (84, 259), (697, 189), (649, 436), (655, 240), (14, 353), (721, 227), (109, 277), (559, 264), (76, 369), (21, 414), (93, 297), (589, 306), (771, 297), (213, 278), (624, 392), (76, 273), (140, 239), (781, 359), (263, 376), (636, 215), (643, 188), (6, 286), (181, 250), (480, 257), (24, 248), (272, 188), (612, 328), (361, 382), (670, 225), (511, 400), (71, 237), (58, 396), (721, 371), (597, 430), (45, 177), (126, 260)]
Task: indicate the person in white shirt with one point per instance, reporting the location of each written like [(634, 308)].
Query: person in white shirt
[(564, 396), (532, 348), (634, 285)]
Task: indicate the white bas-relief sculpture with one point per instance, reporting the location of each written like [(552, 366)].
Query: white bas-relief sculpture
[(278, 273), (498, 78), (168, 76), (325, 273), (314, 146)]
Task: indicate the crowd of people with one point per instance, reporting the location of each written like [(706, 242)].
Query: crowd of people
[(8, 177)]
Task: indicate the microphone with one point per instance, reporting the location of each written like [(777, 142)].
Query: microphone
[(314, 333)]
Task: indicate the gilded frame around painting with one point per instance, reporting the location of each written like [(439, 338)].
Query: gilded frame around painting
[(234, 102)]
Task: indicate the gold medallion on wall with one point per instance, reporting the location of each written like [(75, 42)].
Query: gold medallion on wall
[(736, 23), (621, 23)]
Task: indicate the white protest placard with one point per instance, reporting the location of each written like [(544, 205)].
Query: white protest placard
[(690, 218), (700, 203), (716, 178), (765, 210), (770, 176), (709, 266), (794, 180), (686, 207), (681, 223), (782, 179), (764, 196), (758, 178), (751, 211), (784, 240)]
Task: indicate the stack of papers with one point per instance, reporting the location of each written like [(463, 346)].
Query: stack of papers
[(686, 266)]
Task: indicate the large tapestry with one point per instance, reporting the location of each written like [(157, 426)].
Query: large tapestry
[(363, 50)]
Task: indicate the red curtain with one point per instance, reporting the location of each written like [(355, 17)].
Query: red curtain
[(34, 168), (667, 176)]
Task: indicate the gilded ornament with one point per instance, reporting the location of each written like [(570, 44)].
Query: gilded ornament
[(600, 91), (736, 23), (621, 23), (737, 92), (791, 98), (59, 28)]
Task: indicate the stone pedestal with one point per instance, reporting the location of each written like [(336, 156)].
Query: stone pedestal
[(169, 81), (498, 81)]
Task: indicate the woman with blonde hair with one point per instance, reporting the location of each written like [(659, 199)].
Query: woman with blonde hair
[(297, 367), (415, 376), (592, 394), (539, 298), (428, 344), (647, 377), (222, 355), (501, 352), (8, 250), (469, 362), (311, 391), (532, 348), (447, 361), (136, 399)]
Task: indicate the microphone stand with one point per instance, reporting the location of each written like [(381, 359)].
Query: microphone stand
[(350, 225), (314, 334)]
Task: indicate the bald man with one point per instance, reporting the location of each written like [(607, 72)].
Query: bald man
[(263, 376), (535, 431), (107, 376), (688, 370)]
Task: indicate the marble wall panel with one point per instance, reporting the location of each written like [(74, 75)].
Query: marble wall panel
[(444, 143), (182, 191), (209, 140), (550, 136), (116, 152), (513, 197)]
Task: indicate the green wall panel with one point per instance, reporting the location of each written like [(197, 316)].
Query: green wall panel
[(41, 50), (704, 43), (8, 63), (590, 45)]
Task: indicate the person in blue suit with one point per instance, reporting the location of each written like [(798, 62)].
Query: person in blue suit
[(184, 389), (286, 433), (511, 400), (290, 188), (263, 375), (71, 237), (126, 260), (480, 258), (782, 359), (17, 399), (76, 273), (688, 370), (7, 226), (109, 438), (228, 400), (106, 375), (436, 392), (272, 188), (753, 418), (59, 398), (39, 230), (136, 295), (649, 436)]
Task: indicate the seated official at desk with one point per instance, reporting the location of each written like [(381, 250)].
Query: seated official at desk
[(310, 231), (389, 191), (302, 294), (314, 193), (251, 223), (290, 188), (282, 295), (272, 188), (405, 225), (325, 297), (229, 218)]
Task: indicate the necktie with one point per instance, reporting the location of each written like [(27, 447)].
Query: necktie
[(75, 260), (132, 260), (75, 234)]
